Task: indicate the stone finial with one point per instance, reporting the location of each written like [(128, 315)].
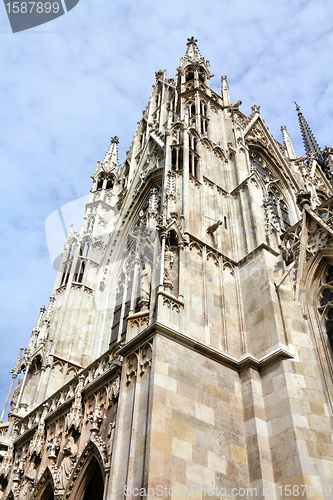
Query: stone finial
[(192, 51), (40, 319), (160, 74), (287, 143), (255, 109), (225, 91), (191, 40)]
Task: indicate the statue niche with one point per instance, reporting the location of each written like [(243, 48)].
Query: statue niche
[(170, 280), (66, 466), (145, 286)]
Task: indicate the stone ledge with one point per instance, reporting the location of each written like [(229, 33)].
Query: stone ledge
[(246, 361)]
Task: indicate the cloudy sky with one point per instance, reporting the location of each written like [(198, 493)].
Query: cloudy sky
[(69, 85)]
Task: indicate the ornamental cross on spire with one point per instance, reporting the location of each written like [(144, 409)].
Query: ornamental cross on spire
[(297, 106), (191, 40)]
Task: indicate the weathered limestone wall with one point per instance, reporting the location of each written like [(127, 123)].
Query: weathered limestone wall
[(197, 428)]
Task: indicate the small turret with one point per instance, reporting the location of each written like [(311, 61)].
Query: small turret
[(106, 171), (193, 67)]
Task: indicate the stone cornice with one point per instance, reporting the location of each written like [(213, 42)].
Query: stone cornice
[(246, 361)]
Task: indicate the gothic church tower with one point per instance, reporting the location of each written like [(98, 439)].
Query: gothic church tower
[(188, 339)]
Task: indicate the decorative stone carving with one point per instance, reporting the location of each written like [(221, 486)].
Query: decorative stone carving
[(38, 440), (131, 368), (171, 304), (145, 284), (138, 362), (16, 394), (66, 466), (75, 416), (169, 258), (53, 448), (27, 483), (113, 391), (303, 199), (8, 459), (50, 310)]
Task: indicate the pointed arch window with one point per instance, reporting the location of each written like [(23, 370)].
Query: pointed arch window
[(190, 75), (203, 117), (100, 182), (84, 249), (65, 274), (122, 307), (79, 272), (142, 138), (201, 76), (280, 209), (68, 264), (81, 262), (193, 156), (91, 223), (257, 164), (326, 305), (109, 184), (177, 150)]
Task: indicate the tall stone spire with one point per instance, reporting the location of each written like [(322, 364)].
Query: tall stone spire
[(310, 143)]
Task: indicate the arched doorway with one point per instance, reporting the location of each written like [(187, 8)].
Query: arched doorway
[(89, 485), (47, 493), (94, 488)]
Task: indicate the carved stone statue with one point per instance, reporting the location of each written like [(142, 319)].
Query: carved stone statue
[(27, 483), (67, 463), (16, 394), (169, 258), (111, 434), (145, 281)]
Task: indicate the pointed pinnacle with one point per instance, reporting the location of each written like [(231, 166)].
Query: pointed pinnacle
[(310, 144), (192, 50)]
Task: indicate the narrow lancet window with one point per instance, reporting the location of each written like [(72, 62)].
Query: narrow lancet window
[(193, 156), (280, 209), (326, 305)]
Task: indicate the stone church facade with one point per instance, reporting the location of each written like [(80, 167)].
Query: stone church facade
[(187, 346)]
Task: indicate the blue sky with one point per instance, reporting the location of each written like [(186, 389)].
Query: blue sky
[(69, 85)]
